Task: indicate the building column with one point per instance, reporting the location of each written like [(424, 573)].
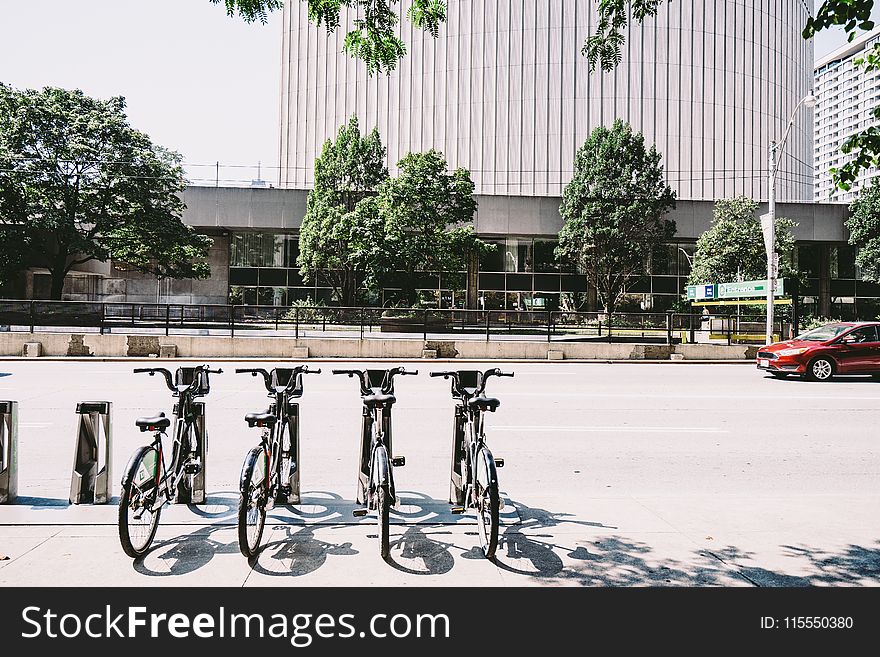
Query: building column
[(473, 280), (825, 280)]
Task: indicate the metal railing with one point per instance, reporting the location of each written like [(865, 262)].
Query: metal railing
[(366, 323)]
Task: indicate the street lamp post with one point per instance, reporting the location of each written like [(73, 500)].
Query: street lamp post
[(770, 225)]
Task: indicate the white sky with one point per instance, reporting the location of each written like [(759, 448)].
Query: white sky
[(196, 81)]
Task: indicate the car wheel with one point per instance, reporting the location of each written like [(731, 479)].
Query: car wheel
[(820, 369)]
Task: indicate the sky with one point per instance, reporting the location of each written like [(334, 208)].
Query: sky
[(196, 81)]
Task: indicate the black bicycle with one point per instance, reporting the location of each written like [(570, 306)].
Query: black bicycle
[(375, 475), (277, 454), (149, 483), (474, 479)]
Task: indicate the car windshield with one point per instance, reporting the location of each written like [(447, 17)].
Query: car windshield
[(823, 333)]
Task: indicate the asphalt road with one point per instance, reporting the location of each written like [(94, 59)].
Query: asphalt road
[(616, 474)]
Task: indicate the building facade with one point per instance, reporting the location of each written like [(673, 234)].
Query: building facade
[(845, 96), (506, 93)]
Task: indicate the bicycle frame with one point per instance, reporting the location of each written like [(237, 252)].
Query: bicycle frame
[(286, 412)]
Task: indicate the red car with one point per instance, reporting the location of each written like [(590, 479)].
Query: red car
[(838, 348)]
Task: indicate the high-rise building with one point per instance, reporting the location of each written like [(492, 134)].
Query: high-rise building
[(845, 96), (506, 92)]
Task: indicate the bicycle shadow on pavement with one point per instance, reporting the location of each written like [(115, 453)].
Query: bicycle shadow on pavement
[(296, 552), (184, 554), (417, 553)]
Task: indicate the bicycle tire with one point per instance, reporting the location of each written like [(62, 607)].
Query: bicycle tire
[(487, 502), (252, 504), (132, 491), (383, 507)]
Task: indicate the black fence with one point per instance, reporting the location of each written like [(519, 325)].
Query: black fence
[(367, 323)]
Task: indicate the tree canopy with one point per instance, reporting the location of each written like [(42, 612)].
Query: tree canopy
[(342, 233), (864, 231), (78, 183), (373, 38), (424, 208), (614, 209), (733, 248)]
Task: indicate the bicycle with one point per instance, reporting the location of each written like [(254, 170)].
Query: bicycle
[(148, 483), (375, 475), (474, 476), (277, 454)]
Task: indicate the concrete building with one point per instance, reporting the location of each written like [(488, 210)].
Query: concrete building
[(845, 96), (505, 92)]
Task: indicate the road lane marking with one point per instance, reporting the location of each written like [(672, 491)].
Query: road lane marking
[(639, 395), (617, 429)]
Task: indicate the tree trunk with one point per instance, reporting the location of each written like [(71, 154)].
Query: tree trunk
[(57, 288)]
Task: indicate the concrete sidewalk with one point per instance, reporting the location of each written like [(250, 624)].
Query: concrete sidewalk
[(639, 475)]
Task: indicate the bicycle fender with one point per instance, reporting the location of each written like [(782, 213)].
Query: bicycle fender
[(128, 473), (249, 460), (381, 467)]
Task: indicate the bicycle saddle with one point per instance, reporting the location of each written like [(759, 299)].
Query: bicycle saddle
[(260, 419), (379, 399), (484, 403), (157, 423)]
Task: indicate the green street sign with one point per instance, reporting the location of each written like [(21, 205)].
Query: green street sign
[(749, 289)]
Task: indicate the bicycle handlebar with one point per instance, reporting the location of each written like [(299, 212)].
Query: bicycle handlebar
[(152, 372), (387, 381), (169, 379), (482, 377), (267, 376)]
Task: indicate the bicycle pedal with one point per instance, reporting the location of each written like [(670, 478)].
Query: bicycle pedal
[(359, 513), (398, 461), (499, 463), (457, 510), (192, 468)]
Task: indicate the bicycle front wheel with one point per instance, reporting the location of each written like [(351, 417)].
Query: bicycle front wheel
[(487, 502), (383, 502), (252, 502), (138, 520)]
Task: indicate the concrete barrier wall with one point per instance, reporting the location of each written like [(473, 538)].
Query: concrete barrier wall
[(207, 347)]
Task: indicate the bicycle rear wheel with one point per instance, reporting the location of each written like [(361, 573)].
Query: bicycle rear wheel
[(138, 520), (487, 502), (252, 502)]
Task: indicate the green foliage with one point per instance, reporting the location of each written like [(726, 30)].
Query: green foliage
[(424, 208), (864, 231), (374, 38), (342, 233), (604, 46), (809, 322), (305, 310), (361, 227), (614, 209), (733, 247), (80, 184)]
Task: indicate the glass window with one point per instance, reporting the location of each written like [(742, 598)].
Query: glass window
[(843, 262), (494, 259), (809, 259), (664, 260)]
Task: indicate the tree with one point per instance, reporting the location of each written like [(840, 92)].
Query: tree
[(424, 209), (732, 249), (614, 209), (342, 233), (373, 38), (864, 231), (81, 184)]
